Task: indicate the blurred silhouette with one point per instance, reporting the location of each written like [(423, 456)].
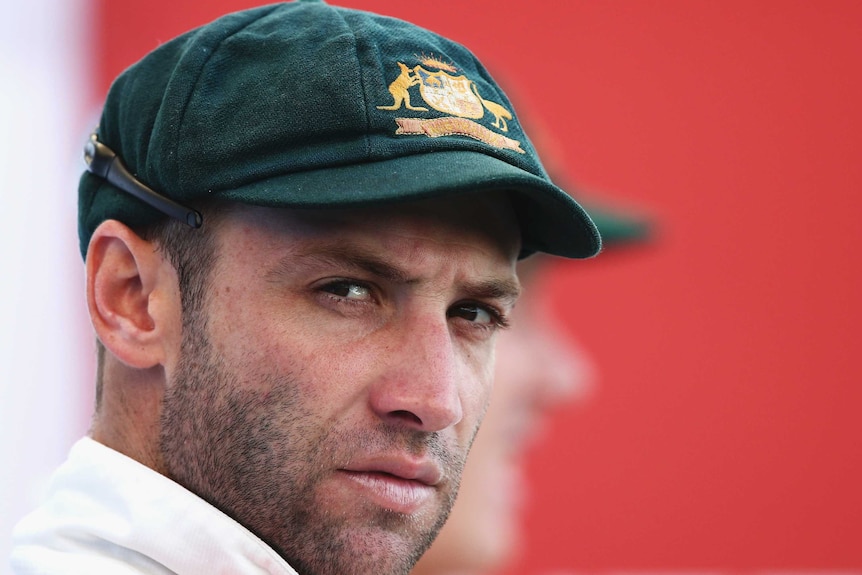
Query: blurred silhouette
[(539, 368)]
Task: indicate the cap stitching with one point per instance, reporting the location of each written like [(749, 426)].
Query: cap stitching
[(180, 122), (361, 83)]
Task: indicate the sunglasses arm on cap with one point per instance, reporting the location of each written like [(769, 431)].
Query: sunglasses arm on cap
[(104, 163)]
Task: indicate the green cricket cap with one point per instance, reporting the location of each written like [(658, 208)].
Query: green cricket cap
[(303, 104)]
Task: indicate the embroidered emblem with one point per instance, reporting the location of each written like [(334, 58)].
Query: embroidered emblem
[(436, 127), (450, 94), (399, 89), (444, 90), (500, 113)]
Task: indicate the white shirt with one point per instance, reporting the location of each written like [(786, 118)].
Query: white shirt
[(107, 513)]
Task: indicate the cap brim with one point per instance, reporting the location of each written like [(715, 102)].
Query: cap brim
[(551, 221)]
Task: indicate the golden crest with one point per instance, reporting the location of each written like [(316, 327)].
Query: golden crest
[(400, 89), (452, 94)]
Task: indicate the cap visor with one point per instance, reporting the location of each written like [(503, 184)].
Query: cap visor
[(551, 221)]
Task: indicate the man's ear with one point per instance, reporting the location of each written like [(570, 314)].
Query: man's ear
[(132, 295)]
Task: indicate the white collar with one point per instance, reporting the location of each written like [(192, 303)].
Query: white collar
[(101, 501)]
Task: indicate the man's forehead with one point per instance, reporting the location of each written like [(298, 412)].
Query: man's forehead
[(481, 219), (477, 239)]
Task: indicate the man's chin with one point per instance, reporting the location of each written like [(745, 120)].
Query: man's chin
[(368, 550)]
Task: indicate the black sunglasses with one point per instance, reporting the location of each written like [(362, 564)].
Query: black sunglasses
[(103, 162)]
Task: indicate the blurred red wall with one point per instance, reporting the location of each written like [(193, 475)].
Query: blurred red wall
[(725, 433)]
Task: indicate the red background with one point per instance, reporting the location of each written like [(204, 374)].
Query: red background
[(725, 431)]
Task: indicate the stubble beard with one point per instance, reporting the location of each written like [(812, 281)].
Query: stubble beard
[(227, 445)]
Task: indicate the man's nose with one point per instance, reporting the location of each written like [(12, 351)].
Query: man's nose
[(421, 384)]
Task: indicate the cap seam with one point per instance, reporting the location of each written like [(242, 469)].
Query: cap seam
[(192, 90), (361, 83)]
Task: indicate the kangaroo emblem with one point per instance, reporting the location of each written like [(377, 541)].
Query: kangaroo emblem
[(399, 88), (445, 90), (500, 113)]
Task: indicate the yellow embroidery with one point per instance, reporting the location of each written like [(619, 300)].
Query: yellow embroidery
[(400, 89), (433, 61), (451, 126), (452, 94), (449, 94), (501, 114)]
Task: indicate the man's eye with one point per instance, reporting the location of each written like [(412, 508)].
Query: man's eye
[(348, 290), (477, 314)]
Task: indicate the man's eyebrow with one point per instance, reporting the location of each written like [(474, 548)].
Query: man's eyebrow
[(358, 258), (507, 290), (340, 255)]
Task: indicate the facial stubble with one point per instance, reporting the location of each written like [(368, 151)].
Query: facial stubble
[(259, 457)]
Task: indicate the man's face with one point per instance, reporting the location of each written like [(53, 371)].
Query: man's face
[(328, 391)]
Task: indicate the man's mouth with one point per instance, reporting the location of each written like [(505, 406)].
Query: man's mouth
[(402, 485)]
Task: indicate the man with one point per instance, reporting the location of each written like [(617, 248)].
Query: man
[(296, 274)]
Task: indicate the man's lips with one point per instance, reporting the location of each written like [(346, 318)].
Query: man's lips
[(399, 484)]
